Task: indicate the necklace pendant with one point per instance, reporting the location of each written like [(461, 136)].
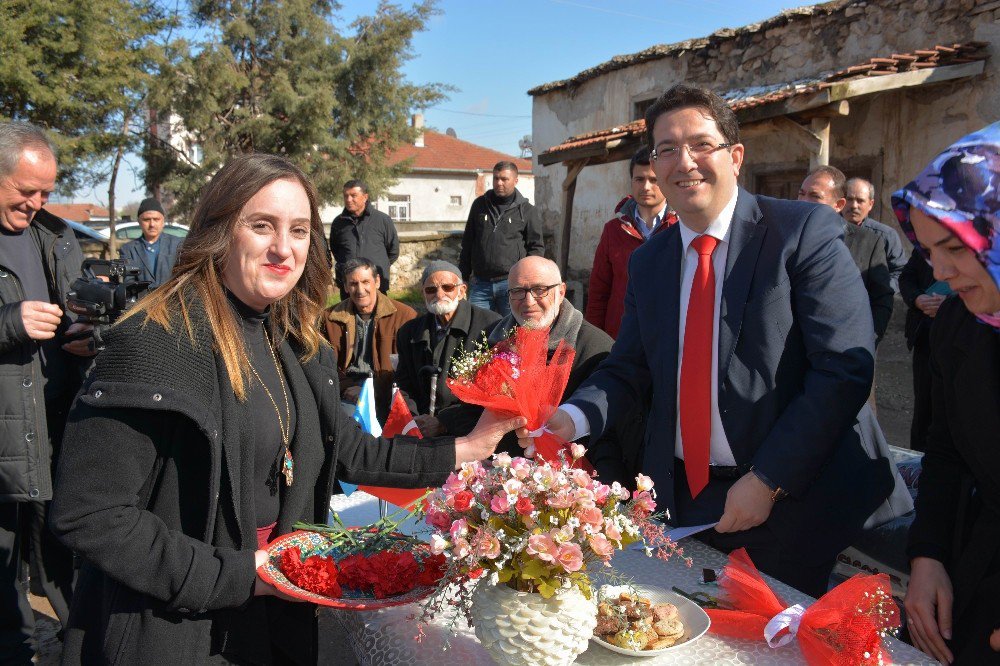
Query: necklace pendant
[(287, 467)]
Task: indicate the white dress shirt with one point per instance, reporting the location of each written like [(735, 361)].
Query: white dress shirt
[(721, 451)]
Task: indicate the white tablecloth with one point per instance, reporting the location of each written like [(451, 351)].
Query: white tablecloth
[(387, 636)]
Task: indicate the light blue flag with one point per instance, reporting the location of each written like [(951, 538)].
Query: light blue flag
[(364, 414)]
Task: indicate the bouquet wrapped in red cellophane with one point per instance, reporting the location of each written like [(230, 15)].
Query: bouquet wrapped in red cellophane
[(844, 627), (515, 377)]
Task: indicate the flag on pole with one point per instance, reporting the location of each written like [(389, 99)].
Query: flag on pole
[(399, 422), (364, 414)]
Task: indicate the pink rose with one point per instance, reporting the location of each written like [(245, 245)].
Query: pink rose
[(543, 547), (524, 506), (570, 556), (601, 493), (438, 544), (643, 482), (584, 498), (520, 468), (561, 500), (644, 502), (612, 532), (462, 548), (580, 478), (577, 451), (600, 545), (453, 484), (591, 516), (499, 504), (487, 546), (459, 528), (438, 519)]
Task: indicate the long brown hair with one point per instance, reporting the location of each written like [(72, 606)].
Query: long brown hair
[(198, 271)]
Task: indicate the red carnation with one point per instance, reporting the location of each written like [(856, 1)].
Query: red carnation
[(434, 567), (316, 574), (463, 500)]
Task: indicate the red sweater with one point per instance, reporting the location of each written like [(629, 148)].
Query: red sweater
[(606, 294)]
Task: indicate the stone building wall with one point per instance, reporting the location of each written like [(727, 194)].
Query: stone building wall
[(417, 250), (893, 133)]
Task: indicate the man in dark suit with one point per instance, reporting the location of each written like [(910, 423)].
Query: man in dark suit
[(431, 340), (860, 198), (747, 324), (156, 252), (826, 185)]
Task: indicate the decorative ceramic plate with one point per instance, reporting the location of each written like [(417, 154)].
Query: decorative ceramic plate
[(351, 599), (695, 619)]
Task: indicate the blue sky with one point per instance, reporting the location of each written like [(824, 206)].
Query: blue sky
[(493, 52)]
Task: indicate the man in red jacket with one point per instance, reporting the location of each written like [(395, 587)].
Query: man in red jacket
[(637, 218)]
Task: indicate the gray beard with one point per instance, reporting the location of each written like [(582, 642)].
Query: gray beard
[(443, 307)]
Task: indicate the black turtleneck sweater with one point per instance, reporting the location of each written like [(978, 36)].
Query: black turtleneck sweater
[(269, 448)]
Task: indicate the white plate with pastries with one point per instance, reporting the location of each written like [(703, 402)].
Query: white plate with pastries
[(673, 622)]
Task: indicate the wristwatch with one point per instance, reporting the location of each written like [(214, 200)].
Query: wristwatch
[(777, 493)]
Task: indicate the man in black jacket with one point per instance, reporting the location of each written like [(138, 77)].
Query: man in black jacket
[(361, 231), (502, 229), (430, 341), (860, 197), (40, 372), (155, 253), (825, 185)]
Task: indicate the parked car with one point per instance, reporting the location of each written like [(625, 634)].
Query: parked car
[(126, 231)]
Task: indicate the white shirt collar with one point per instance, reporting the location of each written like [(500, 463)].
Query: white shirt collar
[(718, 228)]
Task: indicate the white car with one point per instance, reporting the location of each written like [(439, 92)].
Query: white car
[(126, 231)]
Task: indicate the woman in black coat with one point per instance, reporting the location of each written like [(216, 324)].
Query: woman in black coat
[(209, 426), (952, 213)]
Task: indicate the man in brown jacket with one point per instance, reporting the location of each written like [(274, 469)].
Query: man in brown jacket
[(362, 331)]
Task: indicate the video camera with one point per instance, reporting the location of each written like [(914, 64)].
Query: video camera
[(107, 289)]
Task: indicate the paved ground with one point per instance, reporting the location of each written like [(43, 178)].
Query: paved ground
[(894, 393)]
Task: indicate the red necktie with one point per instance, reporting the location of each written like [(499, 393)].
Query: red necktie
[(696, 368)]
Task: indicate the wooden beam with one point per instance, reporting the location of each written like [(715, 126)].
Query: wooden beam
[(573, 170), (844, 90), (916, 77), (809, 139), (821, 156), (835, 110)]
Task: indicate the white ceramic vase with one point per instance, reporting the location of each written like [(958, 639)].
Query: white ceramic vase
[(526, 629)]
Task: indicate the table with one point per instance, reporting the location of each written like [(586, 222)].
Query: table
[(387, 636)]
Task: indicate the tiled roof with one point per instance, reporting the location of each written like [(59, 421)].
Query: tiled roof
[(443, 152), (77, 212), (661, 51), (743, 99)]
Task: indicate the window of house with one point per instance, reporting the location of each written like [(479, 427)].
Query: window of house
[(639, 108), (456, 200), (399, 207)]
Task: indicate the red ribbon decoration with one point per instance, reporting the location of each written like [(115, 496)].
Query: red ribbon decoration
[(844, 627)]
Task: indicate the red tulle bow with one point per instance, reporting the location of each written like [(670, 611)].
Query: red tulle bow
[(520, 380), (843, 627)]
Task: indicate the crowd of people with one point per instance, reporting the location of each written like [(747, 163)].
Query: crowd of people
[(727, 351)]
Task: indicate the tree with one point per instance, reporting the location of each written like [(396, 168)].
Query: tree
[(279, 77), (81, 70)]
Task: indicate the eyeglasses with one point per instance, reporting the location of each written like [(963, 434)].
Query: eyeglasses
[(519, 293), (448, 288), (699, 149)]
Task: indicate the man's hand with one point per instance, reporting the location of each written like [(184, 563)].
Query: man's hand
[(748, 504), (83, 346), (928, 607), (40, 319), (559, 424), (483, 440), (350, 394), (929, 303), (429, 426)]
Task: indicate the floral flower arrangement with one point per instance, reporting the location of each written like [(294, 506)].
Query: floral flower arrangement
[(536, 526)]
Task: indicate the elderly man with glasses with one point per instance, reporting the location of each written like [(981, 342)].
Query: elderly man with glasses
[(427, 345), (537, 297)]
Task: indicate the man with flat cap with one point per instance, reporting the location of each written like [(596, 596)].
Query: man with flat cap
[(431, 341), (155, 253)]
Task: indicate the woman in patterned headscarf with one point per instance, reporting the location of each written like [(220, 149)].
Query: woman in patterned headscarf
[(951, 212)]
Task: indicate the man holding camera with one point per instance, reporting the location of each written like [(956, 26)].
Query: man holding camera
[(40, 373)]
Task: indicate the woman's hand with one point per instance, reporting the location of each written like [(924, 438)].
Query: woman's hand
[(483, 440), (263, 588), (928, 607)]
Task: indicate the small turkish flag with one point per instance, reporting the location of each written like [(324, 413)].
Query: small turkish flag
[(399, 422)]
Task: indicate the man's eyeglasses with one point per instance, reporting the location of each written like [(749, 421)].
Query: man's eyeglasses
[(518, 293), (695, 150), (448, 288)]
